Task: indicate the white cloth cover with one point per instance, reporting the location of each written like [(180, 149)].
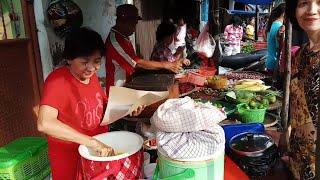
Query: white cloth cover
[(187, 129), (186, 115), (192, 145)]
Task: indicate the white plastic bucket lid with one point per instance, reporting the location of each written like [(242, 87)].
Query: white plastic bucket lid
[(125, 142)]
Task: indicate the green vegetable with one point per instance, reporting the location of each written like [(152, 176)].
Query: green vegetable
[(218, 105), (245, 94), (253, 104), (248, 48), (242, 100), (246, 106), (265, 102), (272, 99), (261, 106)]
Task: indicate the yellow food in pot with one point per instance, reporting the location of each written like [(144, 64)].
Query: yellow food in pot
[(218, 82), (117, 153)]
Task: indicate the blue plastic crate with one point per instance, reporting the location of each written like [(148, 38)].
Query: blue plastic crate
[(235, 129)]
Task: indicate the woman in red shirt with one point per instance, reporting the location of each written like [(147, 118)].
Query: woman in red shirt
[(73, 105)]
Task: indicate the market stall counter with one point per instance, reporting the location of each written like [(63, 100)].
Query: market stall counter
[(230, 93)]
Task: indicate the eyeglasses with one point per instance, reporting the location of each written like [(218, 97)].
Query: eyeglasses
[(91, 63)]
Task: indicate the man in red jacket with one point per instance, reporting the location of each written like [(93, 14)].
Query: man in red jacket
[(121, 59)]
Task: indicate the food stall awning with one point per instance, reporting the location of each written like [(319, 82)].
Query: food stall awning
[(245, 12), (255, 2)]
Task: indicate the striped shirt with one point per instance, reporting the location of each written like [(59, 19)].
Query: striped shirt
[(162, 53), (121, 59)]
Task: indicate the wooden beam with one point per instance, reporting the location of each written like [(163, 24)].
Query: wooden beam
[(197, 14), (33, 48), (213, 17), (214, 28), (3, 23), (210, 16), (318, 145), (256, 23), (285, 103)]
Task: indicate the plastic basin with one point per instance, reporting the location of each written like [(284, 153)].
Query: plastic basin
[(129, 164), (121, 141)]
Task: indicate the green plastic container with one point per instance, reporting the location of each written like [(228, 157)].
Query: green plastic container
[(186, 174), (169, 169), (251, 115), (24, 158), (42, 174)]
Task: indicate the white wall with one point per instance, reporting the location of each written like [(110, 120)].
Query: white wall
[(99, 15), (46, 58)]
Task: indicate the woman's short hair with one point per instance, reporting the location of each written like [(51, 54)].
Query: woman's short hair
[(165, 29), (236, 20), (291, 7), (82, 42)]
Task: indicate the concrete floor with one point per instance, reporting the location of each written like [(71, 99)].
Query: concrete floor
[(280, 172), (48, 178)]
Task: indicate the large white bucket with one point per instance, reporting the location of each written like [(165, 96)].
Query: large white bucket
[(125, 142)]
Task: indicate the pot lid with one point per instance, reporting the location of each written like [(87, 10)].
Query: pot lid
[(250, 143)]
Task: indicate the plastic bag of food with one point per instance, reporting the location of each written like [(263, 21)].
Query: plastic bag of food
[(205, 44)]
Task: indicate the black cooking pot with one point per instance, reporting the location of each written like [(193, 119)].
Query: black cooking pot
[(255, 153), (250, 144)]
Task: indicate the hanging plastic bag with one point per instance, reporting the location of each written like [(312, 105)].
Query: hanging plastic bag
[(205, 44)]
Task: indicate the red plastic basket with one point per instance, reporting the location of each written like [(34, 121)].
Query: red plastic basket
[(208, 71), (196, 78)]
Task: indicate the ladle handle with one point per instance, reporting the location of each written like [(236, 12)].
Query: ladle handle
[(250, 138)]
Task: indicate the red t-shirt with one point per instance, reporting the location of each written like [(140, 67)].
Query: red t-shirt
[(121, 59), (80, 106)]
